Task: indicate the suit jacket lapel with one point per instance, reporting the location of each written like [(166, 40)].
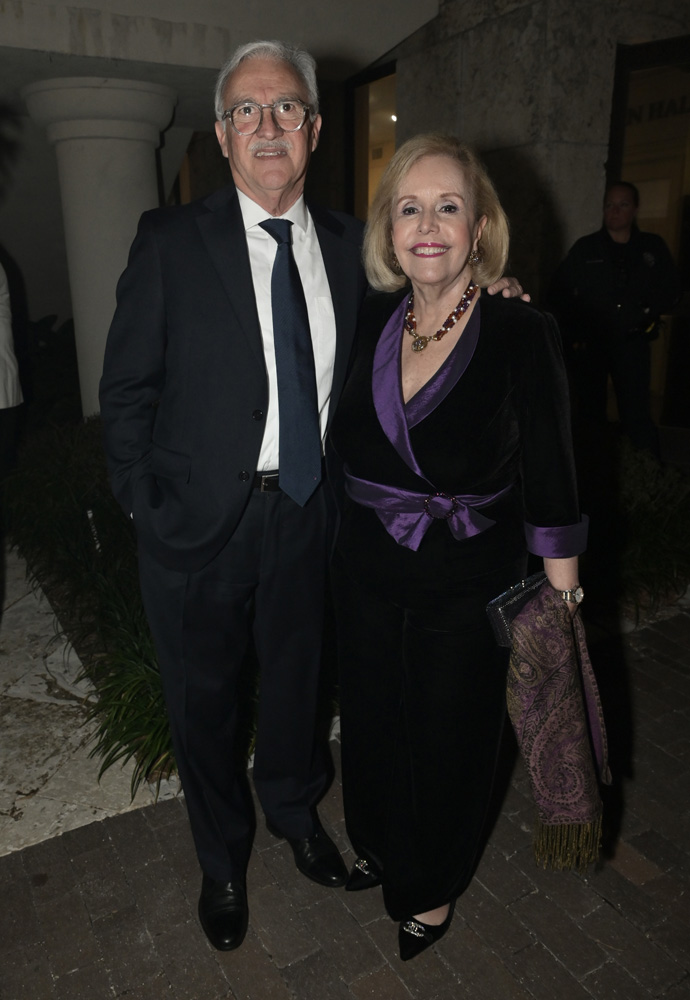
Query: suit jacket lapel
[(342, 262), (222, 229)]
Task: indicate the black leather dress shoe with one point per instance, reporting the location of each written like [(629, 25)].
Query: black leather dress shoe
[(317, 857), (223, 913), (362, 876)]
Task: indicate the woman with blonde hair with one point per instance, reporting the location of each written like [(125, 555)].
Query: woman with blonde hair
[(453, 432)]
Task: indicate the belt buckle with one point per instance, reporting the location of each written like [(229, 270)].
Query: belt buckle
[(454, 504), (266, 482)]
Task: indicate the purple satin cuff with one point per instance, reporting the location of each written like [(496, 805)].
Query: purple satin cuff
[(557, 543), (407, 516)]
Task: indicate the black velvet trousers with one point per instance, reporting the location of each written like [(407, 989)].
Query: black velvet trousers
[(422, 700)]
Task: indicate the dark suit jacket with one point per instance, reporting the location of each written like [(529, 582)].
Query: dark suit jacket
[(184, 391)]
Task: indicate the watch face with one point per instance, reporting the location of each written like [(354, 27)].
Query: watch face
[(573, 595)]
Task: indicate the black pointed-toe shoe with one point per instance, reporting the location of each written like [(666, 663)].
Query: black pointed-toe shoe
[(362, 876), (223, 913), (414, 937), (317, 857)]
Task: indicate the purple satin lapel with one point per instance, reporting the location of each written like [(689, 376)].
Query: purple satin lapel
[(387, 388), (449, 374), (395, 416)]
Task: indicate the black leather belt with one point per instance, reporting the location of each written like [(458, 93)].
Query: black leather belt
[(266, 482)]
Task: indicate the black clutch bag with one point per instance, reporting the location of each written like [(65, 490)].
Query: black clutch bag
[(507, 605)]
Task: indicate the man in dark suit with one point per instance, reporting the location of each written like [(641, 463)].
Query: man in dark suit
[(195, 430), (188, 402)]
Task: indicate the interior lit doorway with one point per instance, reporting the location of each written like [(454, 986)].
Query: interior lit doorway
[(650, 147), (374, 137)]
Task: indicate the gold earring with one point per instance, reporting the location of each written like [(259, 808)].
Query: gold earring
[(395, 265), (476, 256)]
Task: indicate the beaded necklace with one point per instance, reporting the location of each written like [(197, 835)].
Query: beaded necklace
[(419, 343)]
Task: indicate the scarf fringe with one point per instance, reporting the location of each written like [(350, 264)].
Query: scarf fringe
[(567, 846)]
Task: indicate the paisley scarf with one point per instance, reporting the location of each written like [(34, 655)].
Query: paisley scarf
[(554, 706)]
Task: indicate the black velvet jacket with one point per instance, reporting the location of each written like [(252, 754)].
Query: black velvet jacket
[(506, 421)]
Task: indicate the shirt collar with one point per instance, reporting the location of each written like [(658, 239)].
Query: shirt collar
[(253, 214)]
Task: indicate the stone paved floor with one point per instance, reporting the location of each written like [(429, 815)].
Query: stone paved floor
[(48, 781), (108, 909)]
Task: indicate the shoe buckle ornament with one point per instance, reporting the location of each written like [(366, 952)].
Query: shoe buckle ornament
[(412, 927)]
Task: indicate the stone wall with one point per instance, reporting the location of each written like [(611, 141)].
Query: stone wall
[(530, 85)]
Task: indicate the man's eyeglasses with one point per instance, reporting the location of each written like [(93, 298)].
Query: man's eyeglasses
[(246, 118)]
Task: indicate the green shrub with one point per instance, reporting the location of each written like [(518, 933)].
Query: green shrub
[(654, 504), (638, 556), (81, 550)]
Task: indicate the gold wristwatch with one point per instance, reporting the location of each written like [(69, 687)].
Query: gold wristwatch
[(574, 596)]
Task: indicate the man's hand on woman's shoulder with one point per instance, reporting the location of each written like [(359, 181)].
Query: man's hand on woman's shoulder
[(510, 288)]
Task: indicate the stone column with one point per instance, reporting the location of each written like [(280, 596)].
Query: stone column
[(105, 133)]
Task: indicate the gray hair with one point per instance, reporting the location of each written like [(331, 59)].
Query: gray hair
[(298, 59)]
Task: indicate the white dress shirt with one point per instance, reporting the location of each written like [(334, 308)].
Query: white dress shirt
[(307, 252)]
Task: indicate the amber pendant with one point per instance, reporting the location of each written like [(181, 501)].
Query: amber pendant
[(420, 343)]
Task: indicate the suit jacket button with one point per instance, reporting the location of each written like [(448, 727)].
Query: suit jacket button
[(258, 415), (244, 476)]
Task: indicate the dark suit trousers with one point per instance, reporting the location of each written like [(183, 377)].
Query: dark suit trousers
[(628, 361), (270, 576)]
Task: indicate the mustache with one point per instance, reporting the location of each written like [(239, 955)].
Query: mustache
[(261, 144)]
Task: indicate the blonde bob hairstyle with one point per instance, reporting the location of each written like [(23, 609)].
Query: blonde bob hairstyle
[(378, 246)]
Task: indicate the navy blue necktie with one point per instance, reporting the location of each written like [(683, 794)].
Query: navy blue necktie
[(298, 409)]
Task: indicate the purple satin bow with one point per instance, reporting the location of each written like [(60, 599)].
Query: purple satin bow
[(407, 515)]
